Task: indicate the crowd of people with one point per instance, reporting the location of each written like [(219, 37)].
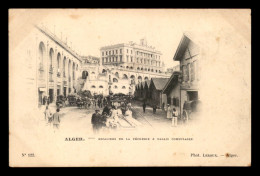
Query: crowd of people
[(111, 117)]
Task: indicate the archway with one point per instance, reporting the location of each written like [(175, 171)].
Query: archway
[(125, 76), (41, 71), (139, 78), (84, 75)]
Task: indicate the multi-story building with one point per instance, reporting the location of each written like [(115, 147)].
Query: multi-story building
[(51, 67), (184, 85), (132, 56), (132, 63)]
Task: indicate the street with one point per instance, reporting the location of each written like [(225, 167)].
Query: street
[(78, 121)]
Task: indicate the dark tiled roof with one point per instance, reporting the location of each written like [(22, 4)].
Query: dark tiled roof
[(159, 83)]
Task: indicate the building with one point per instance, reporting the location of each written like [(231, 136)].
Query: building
[(172, 90), (51, 66), (155, 90), (133, 62), (184, 86)]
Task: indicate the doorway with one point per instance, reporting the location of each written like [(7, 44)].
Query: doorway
[(51, 95), (192, 95)]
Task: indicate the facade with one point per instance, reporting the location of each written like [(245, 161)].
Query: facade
[(132, 56), (185, 86), (172, 90), (133, 62), (155, 90), (52, 67)]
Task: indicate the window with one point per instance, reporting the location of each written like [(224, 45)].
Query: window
[(102, 53), (120, 51), (93, 73), (126, 58), (106, 52), (116, 51), (192, 71), (101, 87), (109, 52), (120, 58), (131, 59), (188, 72), (115, 80), (123, 87), (115, 87), (93, 86), (113, 51)]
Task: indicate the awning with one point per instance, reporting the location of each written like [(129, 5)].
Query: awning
[(42, 89)]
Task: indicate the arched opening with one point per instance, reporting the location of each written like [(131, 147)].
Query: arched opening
[(139, 79), (116, 74), (104, 71), (138, 68), (84, 75), (73, 71), (51, 53), (58, 64), (123, 87), (69, 71), (101, 87), (132, 79), (41, 70), (125, 76), (115, 87), (115, 80), (141, 68), (146, 78), (64, 67), (42, 52), (93, 86), (127, 67)]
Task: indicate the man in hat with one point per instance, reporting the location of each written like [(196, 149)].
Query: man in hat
[(95, 121)]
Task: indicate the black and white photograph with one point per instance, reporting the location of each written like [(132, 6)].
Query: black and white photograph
[(129, 87)]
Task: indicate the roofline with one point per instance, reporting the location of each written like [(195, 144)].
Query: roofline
[(59, 42), (170, 79)]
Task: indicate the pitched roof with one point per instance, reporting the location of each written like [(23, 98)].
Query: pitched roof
[(171, 82), (159, 83)]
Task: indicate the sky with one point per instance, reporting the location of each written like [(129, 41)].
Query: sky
[(88, 30)]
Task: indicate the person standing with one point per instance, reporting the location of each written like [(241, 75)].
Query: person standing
[(163, 106), (154, 108), (48, 114), (95, 120), (169, 112), (144, 106), (56, 119), (174, 117)]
